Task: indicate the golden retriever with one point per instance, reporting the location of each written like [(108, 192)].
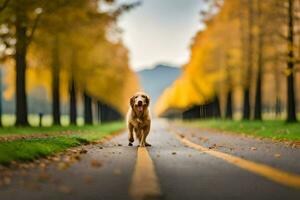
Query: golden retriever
[(139, 119)]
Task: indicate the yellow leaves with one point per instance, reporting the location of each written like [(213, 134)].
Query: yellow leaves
[(8, 74), (287, 71), (185, 92), (215, 53)]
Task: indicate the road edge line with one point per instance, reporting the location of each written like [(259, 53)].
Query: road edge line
[(273, 174)]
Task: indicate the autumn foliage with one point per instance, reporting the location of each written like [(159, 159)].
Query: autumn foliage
[(71, 48), (246, 57)]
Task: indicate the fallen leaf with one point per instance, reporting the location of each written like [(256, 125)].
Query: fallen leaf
[(65, 189), (62, 166), (76, 157), (6, 180), (82, 151), (203, 139), (277, 155), (73, 151), (173, 153), (67, 159), (56, 158), (253, 148), (43, 177), (42, 165), (96, 163)]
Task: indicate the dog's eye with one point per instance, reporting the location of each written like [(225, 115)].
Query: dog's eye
[(136, 97), (143, 96)]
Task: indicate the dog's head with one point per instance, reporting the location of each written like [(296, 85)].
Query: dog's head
[(139, 102)]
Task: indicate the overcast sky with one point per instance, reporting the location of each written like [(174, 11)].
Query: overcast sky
[(160, 31)]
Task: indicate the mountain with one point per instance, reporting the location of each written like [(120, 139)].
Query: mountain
[(155, 80)]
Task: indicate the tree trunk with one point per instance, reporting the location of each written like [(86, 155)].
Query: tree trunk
[(258, 94), (216, 108), (1, 124), (55, 83), (20, 59), (88, 115), (246, 109), (258, 98), (291, 103), (246, 112), (228, 113), (98, 112), (103, 113), (73, 108), (278, 107)]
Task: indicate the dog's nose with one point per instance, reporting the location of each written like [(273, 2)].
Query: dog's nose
[(140, 103)]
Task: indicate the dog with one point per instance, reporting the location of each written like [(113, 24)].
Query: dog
[(139, 119)]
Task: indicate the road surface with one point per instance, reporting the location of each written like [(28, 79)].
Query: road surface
[(183, 163)]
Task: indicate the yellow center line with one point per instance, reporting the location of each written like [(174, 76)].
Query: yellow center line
[(144, 182), (276, 175)]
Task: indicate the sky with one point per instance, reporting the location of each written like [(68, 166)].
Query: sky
[(160, 31)]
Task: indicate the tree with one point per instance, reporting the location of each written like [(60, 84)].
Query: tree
[(88, 114), (260, 63), (73, 102), (1, 124), (55, 72), (229, 110), (291, 103), (249, 65)]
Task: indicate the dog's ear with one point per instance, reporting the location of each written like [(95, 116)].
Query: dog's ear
[(147, 100), (132, 101)]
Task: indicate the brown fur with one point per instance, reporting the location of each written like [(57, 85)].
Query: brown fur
[(139, 119)]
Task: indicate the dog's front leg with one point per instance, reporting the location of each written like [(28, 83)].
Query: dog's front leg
[(130, 135), (146, 132), (142, 143)]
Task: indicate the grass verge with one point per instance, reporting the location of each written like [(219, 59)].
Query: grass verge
[(11, 130), (30, 149), (279, 130)]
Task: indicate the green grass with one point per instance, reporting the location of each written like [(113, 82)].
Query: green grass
[(11, 130), (30, 149), (275, 129), (9, 120)]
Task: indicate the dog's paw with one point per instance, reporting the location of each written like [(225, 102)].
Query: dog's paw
[(131, 140), (129, 144), (148, 145)]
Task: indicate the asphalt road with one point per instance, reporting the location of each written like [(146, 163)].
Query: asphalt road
[(183, 163)]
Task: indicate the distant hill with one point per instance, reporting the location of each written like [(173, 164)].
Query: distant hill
[(155, 80)]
